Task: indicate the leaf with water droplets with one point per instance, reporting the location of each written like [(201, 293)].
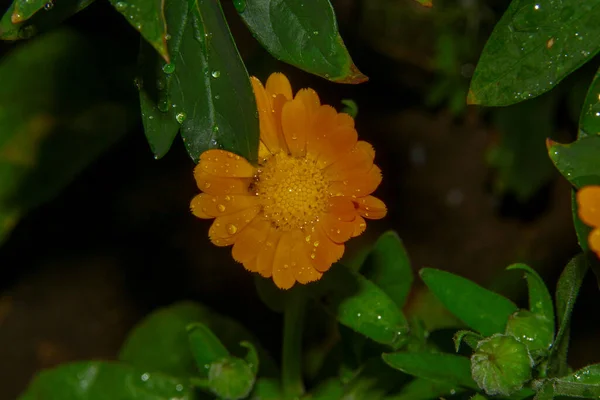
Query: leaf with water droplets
[(589, 121), (361, 305), (14, 27), (205, 92), (578, 161), (533, 47), (24, 9), (147, 17), (483, 310), (540, 300), (304, 34), (99, 380)]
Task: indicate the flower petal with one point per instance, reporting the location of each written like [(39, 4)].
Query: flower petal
[(594, 241), (337, 141), (278, 83), (342, 208), (217, 205), (249, 241), (321, 250), (282, 262), (588, 201), (212, 184), (359, 159), (294, 121), (268, 129), (359, 226), (302, 268), (266, 253), (310, 99), (324, 122), (228, 226), (360, 184), (338, 231), (198, 209), (225, 164), (371, 207), (251, 265)]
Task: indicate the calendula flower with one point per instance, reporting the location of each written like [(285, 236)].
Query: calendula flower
[(588, 201), (289, 217)]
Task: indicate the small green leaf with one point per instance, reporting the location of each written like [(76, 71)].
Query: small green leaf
[(361, 305), (252, 357), (147, 17), (434, 366), (540, 300), (589, 375), (97, 380), (479, 308), (533, 330), (12, 29), (426, 389), (205, 90), (271, 295), (567, 290), (24, 9), (266, 389), (533, 47), (589, 120), (578, 161), (303, 34), (351, 108), (206, 347), (389, 268), (469, 337)]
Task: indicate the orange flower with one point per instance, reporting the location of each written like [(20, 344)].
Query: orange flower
[(289, 217), (588, 201)]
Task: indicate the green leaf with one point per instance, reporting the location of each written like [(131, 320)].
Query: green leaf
[(54, 124), (303, 34), (205, 346), (578, 161), (540, 300), (205, 90), (374, 380), (584, 382), (270, 295), (231, 378), (266, 389), (24, 9), (361, 305), (479, 308), (533, 47), (567, 290), (147, 17), (350, 107), (40, 21), (589, 120), (519, 158), (426, 389), (425, 3), (434, 366), (534, 330), (388, 266), (331, 389), (469, 337), (160, 341), (105, 380)]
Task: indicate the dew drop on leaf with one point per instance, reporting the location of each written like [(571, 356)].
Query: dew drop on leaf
[(180, 117)]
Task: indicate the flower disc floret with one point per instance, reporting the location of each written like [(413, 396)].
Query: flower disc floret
[(289, 217)]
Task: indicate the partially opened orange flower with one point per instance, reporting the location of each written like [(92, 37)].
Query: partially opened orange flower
[(289, 217), (588, 202)]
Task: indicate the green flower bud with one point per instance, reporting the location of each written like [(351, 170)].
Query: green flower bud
[(231, 378), (534, 330), (501, 365)]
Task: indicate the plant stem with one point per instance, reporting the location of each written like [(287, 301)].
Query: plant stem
[(293, 325)]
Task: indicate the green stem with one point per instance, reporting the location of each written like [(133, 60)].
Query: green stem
[(293, 325)]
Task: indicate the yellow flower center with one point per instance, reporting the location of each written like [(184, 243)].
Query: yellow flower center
[(292, 191)]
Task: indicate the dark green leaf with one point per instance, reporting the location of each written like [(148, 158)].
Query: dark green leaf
[(303, 34), (147, 16), (479, 308), (469, 337), (567, 290), (533, 47), (426, 389), (205, 90), (589, 121), (266, 389), (206, 347), (361, 305), (583, 383), (545, 391), (252, 357), (578, 161), (374, 380), (434, 366), (350, 107), (160, 342), (519, 158), (540, 300), (331, 389), (478, 397), (271, 295), (425, 3), (534, 330), (40, 21), (53, 124), (389, 268), (104, 380), (24, 9)]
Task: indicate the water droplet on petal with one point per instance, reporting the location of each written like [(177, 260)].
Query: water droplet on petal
[(221, 208), (232, 229)]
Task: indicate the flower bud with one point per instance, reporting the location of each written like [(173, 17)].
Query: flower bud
[(501, 365), (231, 378)]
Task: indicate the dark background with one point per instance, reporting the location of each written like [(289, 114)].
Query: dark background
[(78, 272)]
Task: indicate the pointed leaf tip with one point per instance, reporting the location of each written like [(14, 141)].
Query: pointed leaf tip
[(354, 77), (550, 143), (471, 99)]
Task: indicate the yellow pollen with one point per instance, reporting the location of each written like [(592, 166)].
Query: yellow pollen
[(293, 191)]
